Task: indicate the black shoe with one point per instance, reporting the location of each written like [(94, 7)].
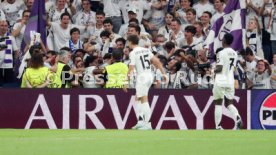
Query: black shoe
[(239, 123)]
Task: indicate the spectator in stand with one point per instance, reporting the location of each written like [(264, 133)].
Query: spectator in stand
[(11, 8), (132, 21), (191, 18), (261, 78), (74, 42), (253, 11), (85, 17), (144, 40), (28, 6), (126, 59), (137, 6), (273, 72), (157, 46), (120, 43), (60, 8), (108, 26), (199, 32), (268, 13), (205, 20), (112, 11), (19, 28), (189, 44), (254, 37), (181, 13), (155, 18), (176, 36), (7, 55), (61, 30), (219, 6), (203, 6), (166, 29), (251, 62), (95, 32)]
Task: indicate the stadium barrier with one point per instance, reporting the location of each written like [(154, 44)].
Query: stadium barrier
[(115, 109), (263, 109)]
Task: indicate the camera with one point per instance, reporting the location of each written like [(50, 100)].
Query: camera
[(204, 66), (3, 46), (189, 50)]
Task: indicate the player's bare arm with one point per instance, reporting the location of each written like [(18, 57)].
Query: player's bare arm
[(155, 61)]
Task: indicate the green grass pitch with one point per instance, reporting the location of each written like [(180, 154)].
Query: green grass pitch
[(129, 142)]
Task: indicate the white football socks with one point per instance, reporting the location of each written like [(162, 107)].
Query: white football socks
[(233, 110), (146, 111), (139, 111)]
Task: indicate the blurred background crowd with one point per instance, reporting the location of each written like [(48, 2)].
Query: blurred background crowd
[(82, 36)]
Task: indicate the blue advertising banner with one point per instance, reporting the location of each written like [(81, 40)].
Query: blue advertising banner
[(263, 109)]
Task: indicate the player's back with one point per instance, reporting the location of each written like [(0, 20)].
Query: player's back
[(141, 58), (228, 59)]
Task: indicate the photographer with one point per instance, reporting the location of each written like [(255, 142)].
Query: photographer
[(8, 53)]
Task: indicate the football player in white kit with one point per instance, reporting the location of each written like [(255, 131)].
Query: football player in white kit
[(141, 60), (224, 82)]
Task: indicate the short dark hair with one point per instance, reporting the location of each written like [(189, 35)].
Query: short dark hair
[(108, 21), (193, 11), (248, 51), (191, 29), (228, 38), (66, 49), (105, 34), (89, 59), (52, 52), (65, 14), (117, 54), (169, 45), (121, 39), (99, 12), (25, 12), (74, 29), (136, 27), (135, 20), (209, 13), (219, 49), (134, 39), (177, 21)]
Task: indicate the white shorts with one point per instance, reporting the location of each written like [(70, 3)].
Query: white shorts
[(220, 92), (143, 84)]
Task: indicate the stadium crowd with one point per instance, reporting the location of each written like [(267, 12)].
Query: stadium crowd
[(82, 36)]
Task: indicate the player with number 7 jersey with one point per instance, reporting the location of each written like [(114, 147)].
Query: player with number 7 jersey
[(228, 59), (224, 86)]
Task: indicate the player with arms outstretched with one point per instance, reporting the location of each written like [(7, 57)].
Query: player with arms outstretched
[(224, 81), (141, 60)]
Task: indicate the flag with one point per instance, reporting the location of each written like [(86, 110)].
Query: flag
[(37, 23), (232, 21)]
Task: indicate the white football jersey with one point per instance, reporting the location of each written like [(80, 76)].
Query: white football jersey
[(141, 58), (228, 59)]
